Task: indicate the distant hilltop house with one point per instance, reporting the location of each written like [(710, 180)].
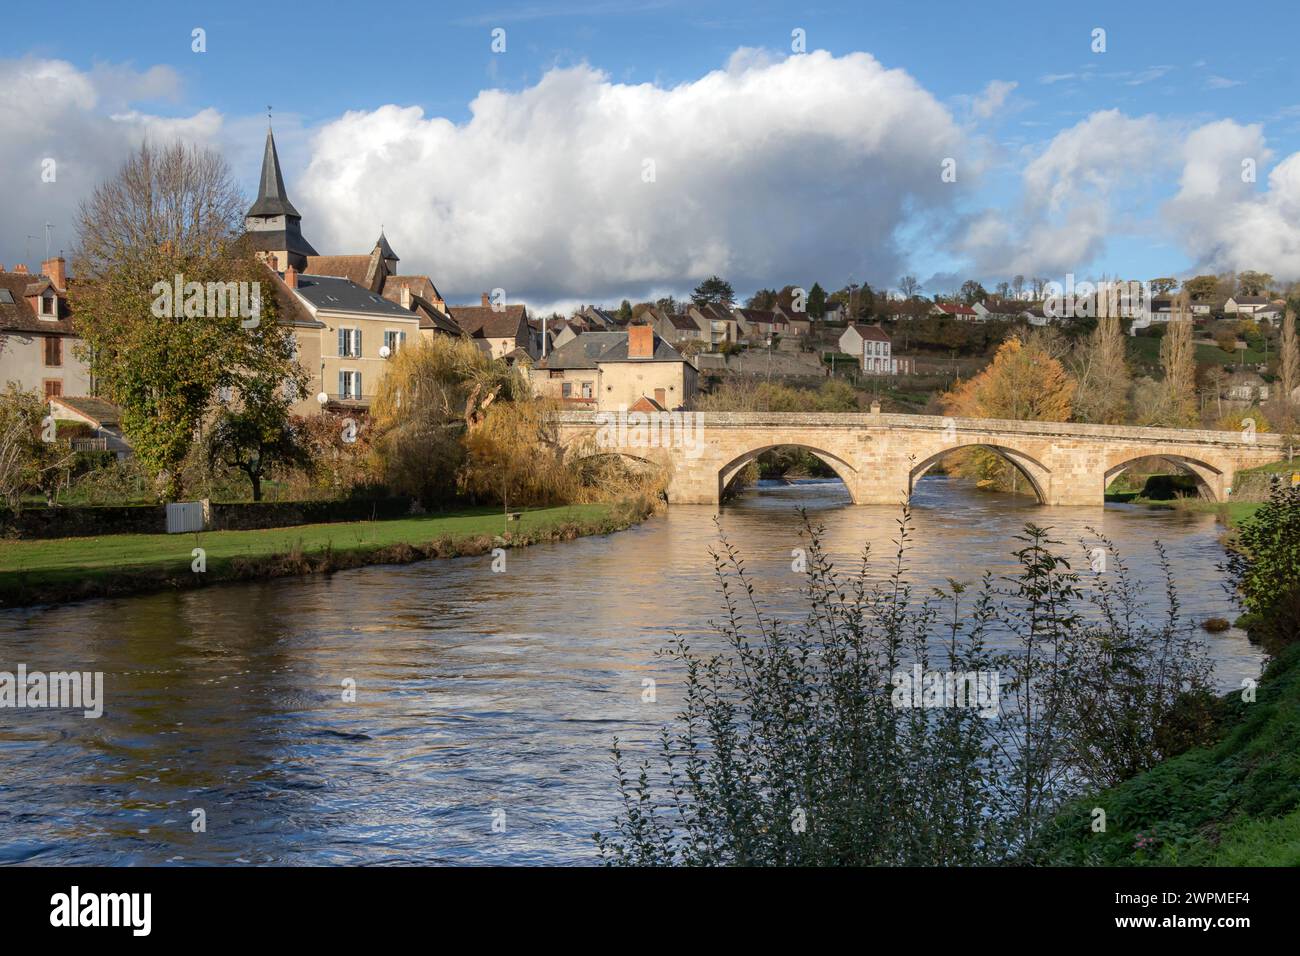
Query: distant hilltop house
[(955, 310), (613, 371), (873, 348), (1246, 304)]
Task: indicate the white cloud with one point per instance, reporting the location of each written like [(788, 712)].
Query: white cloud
[(82, 120), (1068, 189), (766, 171), (993, 98), (1225, 222), (1220, 83)]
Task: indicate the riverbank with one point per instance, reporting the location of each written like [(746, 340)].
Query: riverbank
[(1230, 513), (1235, 803), (72, 569)]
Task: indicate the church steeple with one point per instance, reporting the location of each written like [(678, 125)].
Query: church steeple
[(272, 200), (273, 227)]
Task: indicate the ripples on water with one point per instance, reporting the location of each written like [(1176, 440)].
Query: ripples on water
[(477, 693)]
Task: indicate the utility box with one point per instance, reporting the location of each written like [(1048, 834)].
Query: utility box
[(183, 516)]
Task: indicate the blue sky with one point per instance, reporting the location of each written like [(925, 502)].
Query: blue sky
[(1185, 64)]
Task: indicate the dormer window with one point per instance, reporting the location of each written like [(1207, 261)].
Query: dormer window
[(49, 305)]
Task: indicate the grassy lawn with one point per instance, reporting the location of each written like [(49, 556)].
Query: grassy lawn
[(1236, 803), (1144, 355), (75, 564)]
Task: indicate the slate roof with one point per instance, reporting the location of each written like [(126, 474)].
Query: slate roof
[(342, 295), (592, 348), (272, 200), (385, 250)]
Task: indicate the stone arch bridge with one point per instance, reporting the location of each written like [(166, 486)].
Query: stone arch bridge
[(880, 456)]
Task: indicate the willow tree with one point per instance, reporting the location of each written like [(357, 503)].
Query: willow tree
[(436, 392), (1178, 359), (155, 241)]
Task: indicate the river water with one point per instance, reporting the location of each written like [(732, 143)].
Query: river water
[(485, 702)]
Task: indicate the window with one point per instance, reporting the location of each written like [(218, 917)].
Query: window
[(349, 384), (53, 387), (394, 340), (349, 343), (53, 351), (49, 306), (586, 390), (567, 389)]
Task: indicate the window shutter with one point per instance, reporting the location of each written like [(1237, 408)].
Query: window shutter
[(356, 338), (343, 384), (343, 342), (356, 377)]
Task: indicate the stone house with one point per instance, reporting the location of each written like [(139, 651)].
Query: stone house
[(612, 371)]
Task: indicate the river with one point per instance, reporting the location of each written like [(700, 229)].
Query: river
[(485, 702)]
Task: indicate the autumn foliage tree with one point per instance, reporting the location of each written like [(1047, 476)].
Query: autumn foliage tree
[(1023, 383)]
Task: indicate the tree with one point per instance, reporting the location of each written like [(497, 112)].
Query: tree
[(1202, 288), (255, 434), (171, 211), (817, 301), (667, 305), (909, 286), (1017, 285), (1177, 358), (714, 291), (1254, 283), (1022, 383), (762, 299), (1290, 358), (1163, 285), (625, 312), (32, 458), (972, 292), (433, 395), (1103, 375)]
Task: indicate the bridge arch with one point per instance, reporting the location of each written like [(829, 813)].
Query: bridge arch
[(1209, 478), (1034, 471), (843, 470)]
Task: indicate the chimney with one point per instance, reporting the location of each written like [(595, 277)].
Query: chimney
[(57, 271), (406, 297), (21, 268), (486, 301), (640, 342), (291, 276)]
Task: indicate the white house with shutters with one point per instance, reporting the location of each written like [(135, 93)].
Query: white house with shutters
[(873, 348)]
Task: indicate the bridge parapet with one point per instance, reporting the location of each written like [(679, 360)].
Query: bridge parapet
[(879, 456)]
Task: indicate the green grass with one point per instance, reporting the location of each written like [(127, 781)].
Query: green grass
[(1236, 803), (1144, 355), (61, 567)]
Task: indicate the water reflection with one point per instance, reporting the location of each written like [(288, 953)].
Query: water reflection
[(477, 694)]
